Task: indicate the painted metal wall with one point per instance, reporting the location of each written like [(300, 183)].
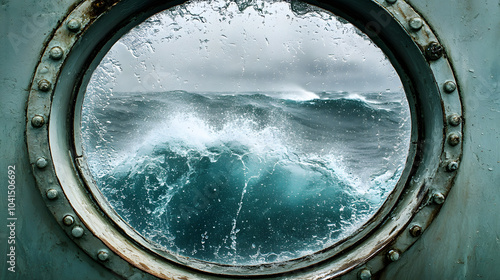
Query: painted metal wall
[(462, 243), (43, 251)]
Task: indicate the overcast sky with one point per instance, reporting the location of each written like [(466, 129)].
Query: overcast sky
[(212, 47)]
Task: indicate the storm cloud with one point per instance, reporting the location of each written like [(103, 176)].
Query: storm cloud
[(216, 46)]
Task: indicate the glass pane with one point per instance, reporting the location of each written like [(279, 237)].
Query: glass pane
[(245, 132)]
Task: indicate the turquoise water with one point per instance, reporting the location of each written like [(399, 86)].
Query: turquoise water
[(246, 178)]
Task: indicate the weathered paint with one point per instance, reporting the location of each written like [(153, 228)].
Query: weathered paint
[(462, 243)]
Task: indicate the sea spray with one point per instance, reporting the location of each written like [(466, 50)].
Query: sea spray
[(248, 178)]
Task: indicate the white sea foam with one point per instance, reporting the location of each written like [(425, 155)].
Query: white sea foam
[(298, 95), (263, 149)]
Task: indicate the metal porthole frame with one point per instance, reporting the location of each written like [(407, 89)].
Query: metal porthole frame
[(91, 28)]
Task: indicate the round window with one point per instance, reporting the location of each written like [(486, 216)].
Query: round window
[(245, 135), (215, 139)]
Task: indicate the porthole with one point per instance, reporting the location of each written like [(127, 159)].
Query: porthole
[(275, 139), (258, 145)]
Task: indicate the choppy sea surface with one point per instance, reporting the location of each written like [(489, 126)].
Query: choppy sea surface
[(245, 178)]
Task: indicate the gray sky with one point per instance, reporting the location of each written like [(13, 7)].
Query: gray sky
[(213, 47)]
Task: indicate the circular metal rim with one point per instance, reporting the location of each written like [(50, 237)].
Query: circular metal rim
[(261, 269), (49, 98)]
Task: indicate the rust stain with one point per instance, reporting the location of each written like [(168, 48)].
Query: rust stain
[(100, 6), (144, 266)]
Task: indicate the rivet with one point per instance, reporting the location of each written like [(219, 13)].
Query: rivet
[(41, 163), (416, 23), (56, 53), (73, 25), (393, 255), (450, 86), (391, 1), (44, 70), (103, 255), (434, 51), (454, 139), (452, 166), (68, 220), (77, 231), (52, 194), (416, 231), (365, 274), (37, 121), (455, 120), (44, 85), (438, 198)]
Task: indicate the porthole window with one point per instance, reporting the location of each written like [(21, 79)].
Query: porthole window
[(245, 135), (235, 139)]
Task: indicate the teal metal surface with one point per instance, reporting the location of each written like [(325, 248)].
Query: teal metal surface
[(42, 249), (463, 242)]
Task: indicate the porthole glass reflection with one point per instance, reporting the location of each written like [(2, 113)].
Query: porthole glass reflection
[(245, 133)]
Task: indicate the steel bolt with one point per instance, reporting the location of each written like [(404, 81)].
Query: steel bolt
[(416, 231), (37, 121), (103, 255), (416, 23), (438, 198), (52, 194), (41, 163), (365, 274), (393, 255), (73, 25), (450, 86), (455, 120), (452, 166), (391, 1), (434, 51), (77, 231), (68, 220), (454, 139), (56, 53), (44, 85)]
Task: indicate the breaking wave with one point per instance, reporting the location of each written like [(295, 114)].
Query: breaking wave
[(246, 178)]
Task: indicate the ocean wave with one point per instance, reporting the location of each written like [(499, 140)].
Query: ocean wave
[(354, 105), (233, 186), (245, 178)]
